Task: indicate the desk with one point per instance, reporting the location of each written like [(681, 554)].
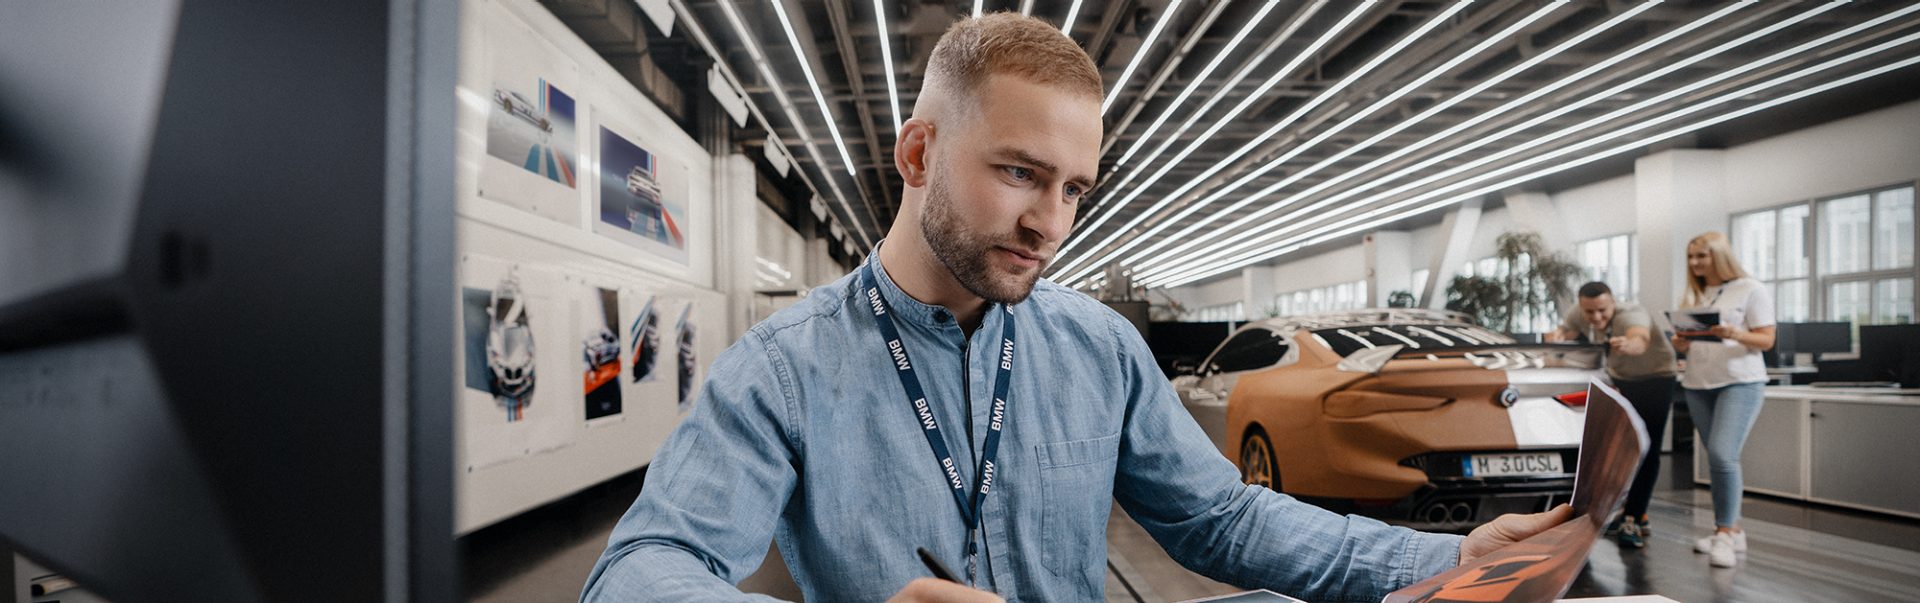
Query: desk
[(1851, 447)]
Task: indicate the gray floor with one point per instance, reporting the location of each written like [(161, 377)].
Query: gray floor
[(1799, 553)]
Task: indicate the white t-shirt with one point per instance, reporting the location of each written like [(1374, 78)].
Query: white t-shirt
[(1742, 302)]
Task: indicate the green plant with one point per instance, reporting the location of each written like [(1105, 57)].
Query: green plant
[(1535, 282), (1400, 299)]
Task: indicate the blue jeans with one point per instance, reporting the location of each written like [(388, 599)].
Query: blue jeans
[(1724, 416)]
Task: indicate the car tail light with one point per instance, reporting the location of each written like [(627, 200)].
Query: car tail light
[(1573, 399)]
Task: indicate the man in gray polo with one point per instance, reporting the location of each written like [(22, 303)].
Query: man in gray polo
[(1642, 367)]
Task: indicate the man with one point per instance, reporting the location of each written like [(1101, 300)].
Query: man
[(1642, 368), (876, 416)]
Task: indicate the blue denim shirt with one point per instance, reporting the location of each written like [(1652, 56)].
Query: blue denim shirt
[(803, 434)]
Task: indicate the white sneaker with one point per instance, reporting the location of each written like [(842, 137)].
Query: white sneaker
[(1738, 540), (1721, 554)]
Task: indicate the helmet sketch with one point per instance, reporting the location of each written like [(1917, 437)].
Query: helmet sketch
[(509, 342), (601, 348)]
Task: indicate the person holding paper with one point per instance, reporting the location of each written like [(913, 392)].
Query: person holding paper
[(1723, 379), (1642, 368), (945, 396)]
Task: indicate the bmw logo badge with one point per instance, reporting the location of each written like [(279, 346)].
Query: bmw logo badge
[(1509, 396)]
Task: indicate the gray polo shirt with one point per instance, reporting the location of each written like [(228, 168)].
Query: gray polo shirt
[(1657, 361)]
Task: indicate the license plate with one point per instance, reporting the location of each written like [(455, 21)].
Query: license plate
[(1523, 463)]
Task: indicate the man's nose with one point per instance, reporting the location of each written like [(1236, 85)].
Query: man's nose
[(1051, 217)]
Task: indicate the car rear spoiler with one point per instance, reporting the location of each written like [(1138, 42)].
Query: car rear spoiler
[(1501, 355)]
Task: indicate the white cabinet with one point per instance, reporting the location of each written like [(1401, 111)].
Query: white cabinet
[(1853, 448)]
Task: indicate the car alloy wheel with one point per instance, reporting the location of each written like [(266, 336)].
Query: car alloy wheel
[(1256, 461)]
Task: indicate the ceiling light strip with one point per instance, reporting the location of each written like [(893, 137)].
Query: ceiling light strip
[(1239, 75), (1327, 232), (1355, 118), (1073, 11), (699, 34), (1145, 46), (1257, 141), (806, 68), (1199, 79), (886, 58), (1588, 125), (1257, 95), (1149, 256)]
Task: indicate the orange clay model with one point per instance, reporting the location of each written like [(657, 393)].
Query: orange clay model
[(1416, 417)]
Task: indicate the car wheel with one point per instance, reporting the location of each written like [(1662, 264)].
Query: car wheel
[(1256, 460)]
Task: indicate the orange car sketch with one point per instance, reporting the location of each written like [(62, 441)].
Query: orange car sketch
[(1416, 417)]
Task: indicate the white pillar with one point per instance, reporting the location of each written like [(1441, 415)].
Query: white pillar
[(1256, 290), (1678, 194), (1458, 228), (1534, 211), (1389, 265)]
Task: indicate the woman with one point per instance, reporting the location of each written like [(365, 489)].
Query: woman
[(1723, 379)]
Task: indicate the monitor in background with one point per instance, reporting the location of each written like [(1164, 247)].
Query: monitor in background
[(1815, 338), (1891, 353), (226, 252)]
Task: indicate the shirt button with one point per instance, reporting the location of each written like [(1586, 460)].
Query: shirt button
[(940, 316)]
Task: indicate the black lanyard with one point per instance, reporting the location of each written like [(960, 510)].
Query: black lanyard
[(970, 507)]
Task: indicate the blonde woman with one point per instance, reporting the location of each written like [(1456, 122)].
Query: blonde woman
[(1723, 379)]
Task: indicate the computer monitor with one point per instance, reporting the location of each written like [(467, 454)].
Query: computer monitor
[(226, 262), (1891, 353), (1791, 338)]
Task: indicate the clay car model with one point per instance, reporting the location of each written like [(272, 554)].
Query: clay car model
[(1415, 417)]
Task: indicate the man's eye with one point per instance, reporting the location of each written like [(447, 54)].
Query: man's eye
[(1019, 173), (1073, 191)]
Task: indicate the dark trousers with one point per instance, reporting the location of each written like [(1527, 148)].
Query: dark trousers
[(1653, 399)]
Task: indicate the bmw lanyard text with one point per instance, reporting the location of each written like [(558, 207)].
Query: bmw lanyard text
[(970, 510)]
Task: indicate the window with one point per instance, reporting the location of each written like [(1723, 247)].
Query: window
[(1610, 260), (1228, 312), (1248, 350), (1844, 258), (1331, 298), (1866, 256)]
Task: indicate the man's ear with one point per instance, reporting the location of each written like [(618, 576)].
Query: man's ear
[(910, 153)]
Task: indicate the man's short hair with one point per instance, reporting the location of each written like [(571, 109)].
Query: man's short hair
[(1008, 43), (1595, 289)]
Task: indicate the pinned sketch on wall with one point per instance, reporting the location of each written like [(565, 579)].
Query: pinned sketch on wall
[(687, 359), (532, 143), (600, 353), (513, 352), (636, 206), (643, 336)]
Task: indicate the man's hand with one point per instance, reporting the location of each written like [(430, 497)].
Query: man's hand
[(1508, 529), (1631, 346), (934, 590)]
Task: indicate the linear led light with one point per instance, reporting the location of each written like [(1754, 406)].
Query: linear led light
[(886, 58), (1589, 125), (1066, 27), (1145, 46), (1232, 82), (806, 68), (1198, 79), (1328, 232), (1376, 106), (786, 105), (976, 8), (1255, 143), (1223, 121), (1149, 256), (1026, 8)]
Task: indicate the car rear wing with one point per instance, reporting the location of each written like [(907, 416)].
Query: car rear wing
[(1492, 356)]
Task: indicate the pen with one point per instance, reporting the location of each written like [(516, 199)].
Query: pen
[(933, 565)]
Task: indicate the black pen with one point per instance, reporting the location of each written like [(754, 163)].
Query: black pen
[(933, 565)]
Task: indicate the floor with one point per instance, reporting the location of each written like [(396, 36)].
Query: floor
[(1798, 552)]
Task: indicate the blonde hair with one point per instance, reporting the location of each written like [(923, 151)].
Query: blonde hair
[(1724, 266), (1006, 43)]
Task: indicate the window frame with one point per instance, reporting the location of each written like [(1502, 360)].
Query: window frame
[(1813, 241)]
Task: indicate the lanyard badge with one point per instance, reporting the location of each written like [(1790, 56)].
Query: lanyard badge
[(969, 505)]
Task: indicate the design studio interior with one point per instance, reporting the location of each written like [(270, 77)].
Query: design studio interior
[(587, 300)]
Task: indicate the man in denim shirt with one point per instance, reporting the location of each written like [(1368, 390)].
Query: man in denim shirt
[(807, 433)]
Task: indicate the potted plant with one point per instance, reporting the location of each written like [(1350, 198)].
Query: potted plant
[(1535, 283)]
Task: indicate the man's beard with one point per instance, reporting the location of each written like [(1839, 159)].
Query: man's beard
[(964, 253)]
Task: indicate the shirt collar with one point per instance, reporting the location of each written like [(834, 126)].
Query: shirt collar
[(907, 309)]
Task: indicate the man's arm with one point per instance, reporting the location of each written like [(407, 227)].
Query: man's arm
[(707, 511), (1183, 492)]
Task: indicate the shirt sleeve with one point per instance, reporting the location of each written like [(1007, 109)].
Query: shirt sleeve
[(1636, 317), (1177, 486), (1569, 322), (713, 494), (1759, 307)]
